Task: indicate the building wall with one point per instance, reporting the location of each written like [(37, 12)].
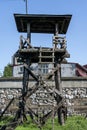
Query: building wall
[(67, 70), (18, 71)]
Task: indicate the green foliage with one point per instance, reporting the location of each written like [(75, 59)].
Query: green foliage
[(29, 125), (0, 74), (72, 123), (7, 71), (6, 120)]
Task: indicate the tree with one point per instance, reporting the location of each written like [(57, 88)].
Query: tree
[(0, 74), (7, 71)]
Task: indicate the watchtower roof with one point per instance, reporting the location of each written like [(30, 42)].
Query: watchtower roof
[(42, 23)]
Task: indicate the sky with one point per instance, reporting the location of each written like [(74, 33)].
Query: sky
[(76, 35)]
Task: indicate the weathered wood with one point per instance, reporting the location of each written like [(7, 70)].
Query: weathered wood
[(6, 108), (31, 73), (79, 105), (33, 90), (59, 90)]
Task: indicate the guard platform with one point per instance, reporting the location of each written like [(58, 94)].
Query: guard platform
[(42, 23), (51, 24)]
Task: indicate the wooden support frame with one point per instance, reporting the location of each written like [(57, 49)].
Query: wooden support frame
[(41, 83)]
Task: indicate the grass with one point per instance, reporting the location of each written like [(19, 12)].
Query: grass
[(5, 120), (72, 123)]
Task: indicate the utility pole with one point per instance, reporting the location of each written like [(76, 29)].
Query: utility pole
[(26, 4)]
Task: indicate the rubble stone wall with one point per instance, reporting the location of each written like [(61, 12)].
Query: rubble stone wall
[(72, 88), (6, 95), (73, 94)]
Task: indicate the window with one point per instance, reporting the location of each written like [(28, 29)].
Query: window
[(44, 68), (20, 70)]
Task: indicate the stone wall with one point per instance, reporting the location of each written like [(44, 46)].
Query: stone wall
[(72, 88), (71, 94), (6, 95)]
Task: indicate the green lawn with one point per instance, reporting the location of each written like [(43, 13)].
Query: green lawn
[(72, 123)]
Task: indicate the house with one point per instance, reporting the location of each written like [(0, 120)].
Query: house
[(81, 70), (68, 69)]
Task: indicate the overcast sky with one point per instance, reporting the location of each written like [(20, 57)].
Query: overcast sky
[(76, 34)]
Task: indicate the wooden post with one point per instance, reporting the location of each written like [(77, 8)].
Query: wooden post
[(58, 81), (25, 88), (58, 87), (28, 33), (56, 32)]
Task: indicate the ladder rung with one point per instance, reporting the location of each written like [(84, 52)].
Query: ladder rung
[(45, 50), (46, 56), (46, 62)]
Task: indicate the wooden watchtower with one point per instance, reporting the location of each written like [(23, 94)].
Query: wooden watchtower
[(44, 99), (50, 24)]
